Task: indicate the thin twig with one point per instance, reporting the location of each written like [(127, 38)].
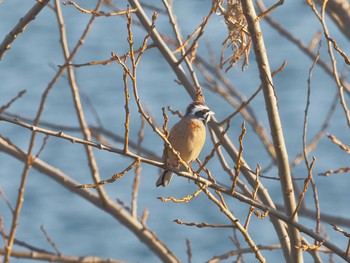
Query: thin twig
[(340, 170), (21, 26), (202, 225), (310, 248), (310, 166), (236, 242), (112, 179), (144, 46), (8, 105), (216, 146), (135, 189), (255, 191), (317, 206), (42, 146), (2, 194), (189, 251), (306, 184), (175, 112), (50, 241), (127, 112), (136, 183), (95, 13), (307, 106), (144, 216), (166, 120), (2, 231), (268, 11), (107, 61), (185, 199), (346, 234), (239, 163), (241, 251), (339, 143), (222, 200)]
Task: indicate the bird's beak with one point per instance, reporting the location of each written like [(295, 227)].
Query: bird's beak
[(209, 114)]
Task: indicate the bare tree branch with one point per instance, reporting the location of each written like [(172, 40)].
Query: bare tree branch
[(21, 26), (275, 126)]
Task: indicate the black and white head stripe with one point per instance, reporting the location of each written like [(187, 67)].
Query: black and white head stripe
[(199, 111)]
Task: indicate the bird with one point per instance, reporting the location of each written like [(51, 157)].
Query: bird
[(187, 137)]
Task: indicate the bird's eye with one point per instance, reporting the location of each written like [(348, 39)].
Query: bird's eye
[(199, 114)]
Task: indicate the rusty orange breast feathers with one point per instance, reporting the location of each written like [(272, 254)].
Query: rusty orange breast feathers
[(187, 137)]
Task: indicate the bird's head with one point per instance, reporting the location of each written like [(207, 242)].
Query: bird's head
[(199, 111)]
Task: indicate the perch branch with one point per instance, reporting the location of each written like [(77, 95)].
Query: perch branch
[(275, 125)]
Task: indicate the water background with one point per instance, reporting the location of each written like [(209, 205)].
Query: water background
[(77, 227)]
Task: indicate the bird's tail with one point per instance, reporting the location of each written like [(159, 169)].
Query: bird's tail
[(164, 178)]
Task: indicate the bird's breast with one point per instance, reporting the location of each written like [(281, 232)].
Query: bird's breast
[(187, 137)]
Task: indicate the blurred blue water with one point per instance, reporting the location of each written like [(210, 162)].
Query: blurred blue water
[(80, 229)]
